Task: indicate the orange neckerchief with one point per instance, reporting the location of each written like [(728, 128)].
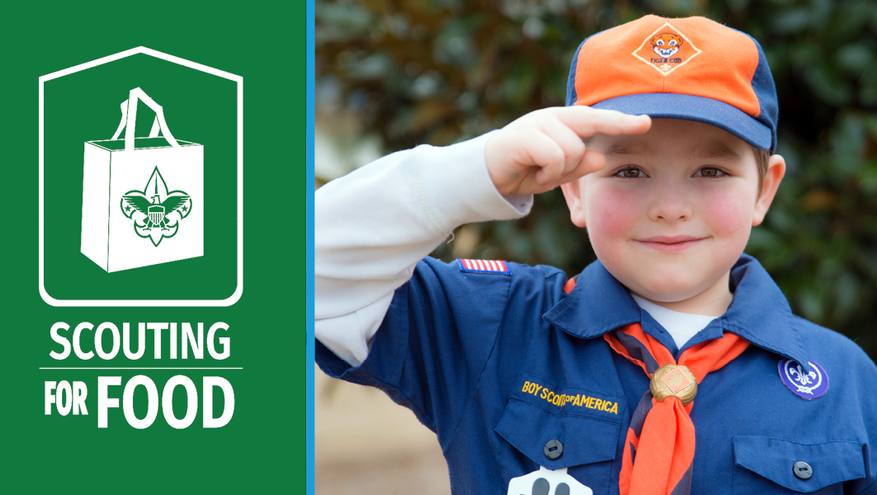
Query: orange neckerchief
[(661, 435)]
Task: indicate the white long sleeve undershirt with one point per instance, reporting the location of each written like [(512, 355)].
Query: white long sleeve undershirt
[(681, 326), (373, 226)]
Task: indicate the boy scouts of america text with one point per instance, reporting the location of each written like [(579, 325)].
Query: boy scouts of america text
[(560, 400)]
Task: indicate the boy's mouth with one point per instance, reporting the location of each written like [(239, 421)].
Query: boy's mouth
[(670, 243)]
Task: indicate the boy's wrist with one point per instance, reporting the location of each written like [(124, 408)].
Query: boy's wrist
[(458, 189)]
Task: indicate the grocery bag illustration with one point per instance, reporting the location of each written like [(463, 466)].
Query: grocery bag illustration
[(142, 197)]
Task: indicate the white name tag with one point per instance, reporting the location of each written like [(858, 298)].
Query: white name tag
[(547, 482)]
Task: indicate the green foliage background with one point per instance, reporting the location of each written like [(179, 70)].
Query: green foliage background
[(441, 71)]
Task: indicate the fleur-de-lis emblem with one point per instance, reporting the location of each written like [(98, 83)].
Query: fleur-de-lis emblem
[(805, 382), (810, 385), (800, 377), (155, 210)]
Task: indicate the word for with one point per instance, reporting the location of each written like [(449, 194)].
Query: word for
[(181, 340), (66, 398), (561, 400)]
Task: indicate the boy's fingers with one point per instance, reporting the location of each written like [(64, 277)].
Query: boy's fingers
[(544, 152), (591, 162), (569, 142), (544, 148), (586, 121)]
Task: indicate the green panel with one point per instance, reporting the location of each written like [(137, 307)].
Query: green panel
[(262, 448)]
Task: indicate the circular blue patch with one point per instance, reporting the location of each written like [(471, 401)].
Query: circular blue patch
[(808, 386)]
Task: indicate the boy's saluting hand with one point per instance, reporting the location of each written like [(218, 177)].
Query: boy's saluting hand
[(545, 148)]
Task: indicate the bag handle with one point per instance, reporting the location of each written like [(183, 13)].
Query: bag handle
[(129, 119)]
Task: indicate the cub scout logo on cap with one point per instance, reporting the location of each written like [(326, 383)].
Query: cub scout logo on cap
[(666, 49), (666, 45)]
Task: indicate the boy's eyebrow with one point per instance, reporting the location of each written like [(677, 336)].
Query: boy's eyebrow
[(715, 149), (712, 149), (621, 148)]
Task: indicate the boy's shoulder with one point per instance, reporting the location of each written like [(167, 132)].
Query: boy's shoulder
[(828, 346), (485, 272), (474, 289), (816, 334)]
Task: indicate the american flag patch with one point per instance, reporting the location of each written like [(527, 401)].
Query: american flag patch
[(490, 266)]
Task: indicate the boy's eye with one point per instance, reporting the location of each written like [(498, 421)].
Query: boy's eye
[(630, 173), (709, 172)]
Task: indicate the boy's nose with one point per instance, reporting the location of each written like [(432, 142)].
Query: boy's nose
[(669, 203)]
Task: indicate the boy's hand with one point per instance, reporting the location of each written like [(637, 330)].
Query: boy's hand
[(544, 148)]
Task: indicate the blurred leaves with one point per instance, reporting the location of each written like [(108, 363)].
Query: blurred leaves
[(441, 71)]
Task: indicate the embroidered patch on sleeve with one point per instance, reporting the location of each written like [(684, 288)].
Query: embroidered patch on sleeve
[(483, 266)]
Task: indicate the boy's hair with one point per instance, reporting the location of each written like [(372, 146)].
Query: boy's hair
[(692, 68), (761, 159)]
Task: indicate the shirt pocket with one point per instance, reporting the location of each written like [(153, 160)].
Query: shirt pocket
[(589, 444), (766, 465)]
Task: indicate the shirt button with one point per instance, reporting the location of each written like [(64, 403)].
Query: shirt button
[(802, 470), (553, 449)]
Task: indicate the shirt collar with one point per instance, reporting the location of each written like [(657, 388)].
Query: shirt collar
[(759, 312)]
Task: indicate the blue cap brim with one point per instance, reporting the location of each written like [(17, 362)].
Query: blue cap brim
[(696, 108)]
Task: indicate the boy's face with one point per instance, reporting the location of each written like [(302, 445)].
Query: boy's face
[(671, 212)]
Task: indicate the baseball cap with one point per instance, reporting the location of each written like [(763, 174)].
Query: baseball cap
[(688, 68)]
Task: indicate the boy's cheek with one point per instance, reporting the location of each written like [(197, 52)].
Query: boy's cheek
[(611, 214), (729, 213)]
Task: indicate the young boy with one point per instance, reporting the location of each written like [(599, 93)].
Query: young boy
[(536, 384)]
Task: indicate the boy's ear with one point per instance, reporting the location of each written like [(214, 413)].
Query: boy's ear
[(572, 191), (776, 169)]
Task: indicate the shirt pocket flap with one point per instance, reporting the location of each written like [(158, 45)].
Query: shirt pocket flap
[(528, 428), (774, 459)]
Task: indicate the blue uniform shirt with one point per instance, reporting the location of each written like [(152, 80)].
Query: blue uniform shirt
[(500, 364)]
